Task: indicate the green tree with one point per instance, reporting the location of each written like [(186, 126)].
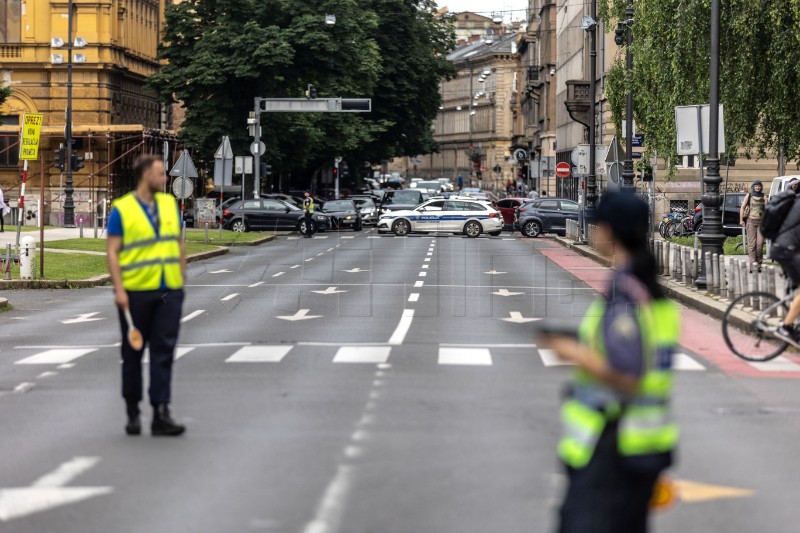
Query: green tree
[(759, 71), (5, 92)]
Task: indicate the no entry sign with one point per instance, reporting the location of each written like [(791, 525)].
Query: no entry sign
[(562, 170)]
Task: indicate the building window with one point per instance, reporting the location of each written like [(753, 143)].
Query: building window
[(679, 206), (10, 21), (9, 153)]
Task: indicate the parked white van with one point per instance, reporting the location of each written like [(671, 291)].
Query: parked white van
[(779, 184)]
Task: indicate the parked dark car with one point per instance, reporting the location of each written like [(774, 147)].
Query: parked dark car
[(343, 214), (268, 215), (507, 208), (730, 215), (401, 200), (545, 215)]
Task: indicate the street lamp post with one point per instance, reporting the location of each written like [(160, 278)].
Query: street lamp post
[(627, 168), (591, 182), (711, 236)]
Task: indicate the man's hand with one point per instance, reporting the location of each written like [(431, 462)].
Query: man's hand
[(121, 298), (567, 348), (741, 223)]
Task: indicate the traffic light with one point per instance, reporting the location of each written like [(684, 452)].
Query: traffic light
[(619, 34), (60, 158), (311, 92), (76, 162)]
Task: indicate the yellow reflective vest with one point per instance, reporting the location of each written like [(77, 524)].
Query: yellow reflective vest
[(645, 424), (146, 258)]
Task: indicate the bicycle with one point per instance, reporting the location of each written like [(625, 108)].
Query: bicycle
[(757, 342)]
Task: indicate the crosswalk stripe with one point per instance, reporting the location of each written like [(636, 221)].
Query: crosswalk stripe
[(549, 358), (362, 354), (259, 354), (779, 364), (682, 361), (465, 356), (179, 352), (55, 357)]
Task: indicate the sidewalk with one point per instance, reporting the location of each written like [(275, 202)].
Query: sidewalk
[(53, 234)]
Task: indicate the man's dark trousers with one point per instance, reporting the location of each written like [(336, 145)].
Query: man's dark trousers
[(157, 314), (310, 225)]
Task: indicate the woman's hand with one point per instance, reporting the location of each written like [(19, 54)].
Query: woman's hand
[(741, 222)]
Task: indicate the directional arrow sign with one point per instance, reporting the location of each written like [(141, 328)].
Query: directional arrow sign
[(329, 290), (494, 272), (87, 317), (355, 270), (506, 292), (517, 318), (301, 314), (49, 491)]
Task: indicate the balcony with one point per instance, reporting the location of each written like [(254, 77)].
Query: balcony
[(578, 100)]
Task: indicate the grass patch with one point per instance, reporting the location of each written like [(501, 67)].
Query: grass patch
[(58, 266), (229, 238), (729, 246), (8, 307), (99, 245)]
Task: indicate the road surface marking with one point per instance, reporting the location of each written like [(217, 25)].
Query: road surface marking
[(321, 253), (55, 357), (495, 272), (292, 238), (301, 314), (355, 270), (310, 259), (256, 284), (329, 290), (419, 283), (465, 356), (259, 354), (506, 292), (351, 451), (517, 318), (427, 259), (86, 317), (213, 344), (362, 354), (425, 266), (221, 271), (328, 516), (430, 254), (385, 366), (423, 274), (295, 266), (66, 472), (320, 237), (464, 345), (47, 374), (373, 237), (193, 314), (509, 239), (66, 366), (179, 352), (681, 361), (330, 249), (402, 328), (278, 274), (24, 387), (549, 358), (779, 364), (229, 297), (413, 297), (348, 237)]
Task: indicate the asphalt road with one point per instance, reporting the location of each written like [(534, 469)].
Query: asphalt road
[(404, 393)]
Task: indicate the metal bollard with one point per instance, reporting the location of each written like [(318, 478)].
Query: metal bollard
[(673, 250), (709, 272), (7, 264), (723, 279), (715, 284), (745, 281), (730, 274), (687, 265), (206, 232), (80, 226), (95, 231), (756, 288)]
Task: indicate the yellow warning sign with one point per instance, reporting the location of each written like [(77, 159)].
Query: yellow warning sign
[(31, 130), (692, 491)]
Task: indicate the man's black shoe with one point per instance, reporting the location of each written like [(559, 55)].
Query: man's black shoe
[(788, 334), (163, 425), (134, 425)]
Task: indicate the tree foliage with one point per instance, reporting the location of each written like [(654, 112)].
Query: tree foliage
[(221, 54), (759, 71), (5, 92)]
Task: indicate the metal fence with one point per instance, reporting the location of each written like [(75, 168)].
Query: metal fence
[(574, 230)]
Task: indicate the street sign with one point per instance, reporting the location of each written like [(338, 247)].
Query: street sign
[(182, 188), (638, 140), (520, 155), (563, 170), (243, 164), (184, 167), (31, 130), (223, 164), (580, 158), (317, 105), (691, 128), (258, 148)]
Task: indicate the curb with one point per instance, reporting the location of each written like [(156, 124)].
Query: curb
[(97, 281), (3, 303)]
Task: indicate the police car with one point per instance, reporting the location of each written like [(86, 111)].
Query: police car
[(451, 215)]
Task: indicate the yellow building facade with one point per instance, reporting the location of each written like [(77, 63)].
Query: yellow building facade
[(115, 117)]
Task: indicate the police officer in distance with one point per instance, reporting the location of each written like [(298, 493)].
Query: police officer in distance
[(308, 209), (147, 263), (618, 435)]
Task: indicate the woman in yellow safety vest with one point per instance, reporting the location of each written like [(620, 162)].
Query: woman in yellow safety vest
[(618, 434)]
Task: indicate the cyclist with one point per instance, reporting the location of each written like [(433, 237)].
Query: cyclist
[(785, 250)]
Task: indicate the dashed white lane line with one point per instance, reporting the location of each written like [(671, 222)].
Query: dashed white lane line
[(465, 356), (47, 374), (423, 274), (259, 354), (362, 354), (295, 266), (373, 237), (427, 259), (193, 314), (278, 274), (348, 237), (310, 259), (418, 284), (429, 254), (425, 266), (229, 297), (549, 358), (180, 351), (402, 328), (330, 249), (328, 516), (55, 357), (24, 387), (413, 297), (66, 366), (319, 254), (256, 284)]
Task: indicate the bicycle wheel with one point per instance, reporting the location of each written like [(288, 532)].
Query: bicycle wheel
[(757, 342)]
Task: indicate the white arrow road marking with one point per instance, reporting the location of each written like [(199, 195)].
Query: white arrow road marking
[(86, 317), (329, 290), (494, 272), (49, 491), (355, 270), (229, 297), (257, 283), (192, 315), (517, 318), (506, 292), (278, 274), (221, 271), (301, 314)]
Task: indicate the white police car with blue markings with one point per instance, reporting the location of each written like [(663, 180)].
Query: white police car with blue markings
[(459, 216)]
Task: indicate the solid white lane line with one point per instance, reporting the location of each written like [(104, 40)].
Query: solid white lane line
[(423, 274), (192, 315), (55, 357), (66, 472), (229, 297), (682, 361), (402, 328), (779, 364), (330, 510), (413, 297), (418, 284), (362, 354), (256, 284), (549, 358), (465, 356), (259, 354)]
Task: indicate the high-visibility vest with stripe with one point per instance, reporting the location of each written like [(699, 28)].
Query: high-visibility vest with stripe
[(145, 257), (308, 205), (645, 425)]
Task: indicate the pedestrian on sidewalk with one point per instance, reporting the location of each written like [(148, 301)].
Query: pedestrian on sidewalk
[(618, 433), (750, 215), (533, 195), (4, 210), (147, 263), (308, 209)]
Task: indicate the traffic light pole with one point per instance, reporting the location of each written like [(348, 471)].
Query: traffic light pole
[(69, 204), (591, 182), (627, 169)]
